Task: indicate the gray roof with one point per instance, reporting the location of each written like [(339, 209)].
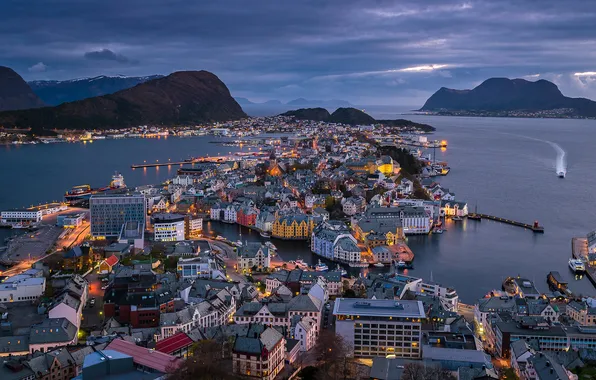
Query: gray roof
[(456, 355), (14, 344), (305, 302), (250, 250), (381, 308), (54, 330), (546, 368), (466, 373)]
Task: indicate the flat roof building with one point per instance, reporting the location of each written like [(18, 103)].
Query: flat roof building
[(380, 327)]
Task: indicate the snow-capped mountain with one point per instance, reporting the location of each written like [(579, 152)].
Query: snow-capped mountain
[(54, 92)]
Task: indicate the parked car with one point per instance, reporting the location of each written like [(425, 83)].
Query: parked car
[(92, 302)]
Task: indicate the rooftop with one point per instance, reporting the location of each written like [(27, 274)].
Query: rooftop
[(379, 308), (155, 360)]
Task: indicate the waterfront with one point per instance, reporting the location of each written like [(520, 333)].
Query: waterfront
[(508, 175)]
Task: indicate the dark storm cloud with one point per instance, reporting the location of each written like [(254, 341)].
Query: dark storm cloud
[(363, 51), (107, 55)]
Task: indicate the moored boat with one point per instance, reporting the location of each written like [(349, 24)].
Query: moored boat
[(321, 267), (561, 174), (577, 265), (379, 265)]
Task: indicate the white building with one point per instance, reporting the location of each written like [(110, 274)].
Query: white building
[(259, 354), (22, 288), (253, 255), (380, 327), (305, 331), (23, 217), (168, 227), (200, 267), (67, 306)]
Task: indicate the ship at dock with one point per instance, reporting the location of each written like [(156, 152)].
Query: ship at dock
[(86, 191)]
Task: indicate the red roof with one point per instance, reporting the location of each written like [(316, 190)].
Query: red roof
[(174, 343), (146, 357), (112, 260)]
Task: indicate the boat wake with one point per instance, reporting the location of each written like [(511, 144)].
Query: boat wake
[(561, 160)]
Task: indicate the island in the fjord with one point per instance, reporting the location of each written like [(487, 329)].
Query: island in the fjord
[(184, 97), (509, 97), (353, 116), (15, 94)]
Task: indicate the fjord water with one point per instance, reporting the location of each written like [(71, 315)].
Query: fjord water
[(505, 166)]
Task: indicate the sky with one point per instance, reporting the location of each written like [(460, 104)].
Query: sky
[(368, 52)]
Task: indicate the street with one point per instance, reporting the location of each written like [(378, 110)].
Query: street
[(93, 315)]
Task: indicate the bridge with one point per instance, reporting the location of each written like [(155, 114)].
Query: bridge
[(536, 228)]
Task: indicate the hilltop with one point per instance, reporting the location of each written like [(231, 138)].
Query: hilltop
[(507, 96), (184, 97), (352, 116), (15, 93)]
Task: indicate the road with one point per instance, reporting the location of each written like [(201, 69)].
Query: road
[(75, 237), (93, 315)]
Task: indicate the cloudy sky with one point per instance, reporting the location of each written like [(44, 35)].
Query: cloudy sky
[(366, 52)]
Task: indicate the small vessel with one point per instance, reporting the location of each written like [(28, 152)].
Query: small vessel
[(265, 235), (577, 266), (401, 264), (457, 219), (438, 231), (379, 265), (239, 243), (271, 246), (321, 267), (301, 264), (344, 272), (561, 174)]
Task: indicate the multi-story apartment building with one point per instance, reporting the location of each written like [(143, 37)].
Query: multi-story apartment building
[(203, 266), (259, 354), (281, 313), (582, 313), (293, 227), (23, 217), (110, 212), (380, 327), (22, 288), (253, 255), (334, 241), (168, 227)]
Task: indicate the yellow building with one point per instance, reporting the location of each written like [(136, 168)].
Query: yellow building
[(295, 226), (385, 165)]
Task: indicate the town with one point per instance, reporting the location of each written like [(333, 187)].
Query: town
[(125, 281)]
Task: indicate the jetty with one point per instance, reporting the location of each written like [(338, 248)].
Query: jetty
[(579, 250), (190, 161), (535, 227)]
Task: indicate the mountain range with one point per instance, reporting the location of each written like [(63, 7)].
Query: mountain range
[(343, 115), (297, 102), (352, 116), (183, 97), (508, 96), (15, 94), (54, 92)]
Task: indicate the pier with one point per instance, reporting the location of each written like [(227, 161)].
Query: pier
[(536, 228), (185, 162), (579, 250)]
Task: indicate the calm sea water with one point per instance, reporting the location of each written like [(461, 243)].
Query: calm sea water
[(505, 166)]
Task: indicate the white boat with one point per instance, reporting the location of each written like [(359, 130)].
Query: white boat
[(344, 272), (401, 264), (265, 235), (438, 231), (561, 174), (238, 243), (576, 265), (379, 265), (321, 267), (457, 219), (301, 264), (271, 246)]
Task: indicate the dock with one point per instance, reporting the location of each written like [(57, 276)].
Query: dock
[(536, 228), (579, 250)]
